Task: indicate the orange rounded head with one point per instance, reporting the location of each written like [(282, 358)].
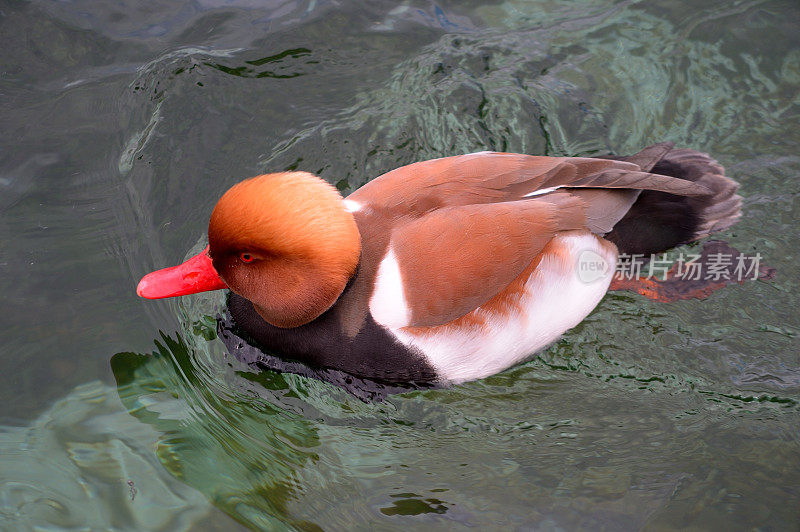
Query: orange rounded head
[(284, 241)]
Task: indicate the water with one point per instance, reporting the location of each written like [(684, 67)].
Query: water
[(123, 123)]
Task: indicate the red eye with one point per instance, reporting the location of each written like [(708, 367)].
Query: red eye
[(246, 257)]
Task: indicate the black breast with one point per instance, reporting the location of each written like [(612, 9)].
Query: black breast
[(321, 349)]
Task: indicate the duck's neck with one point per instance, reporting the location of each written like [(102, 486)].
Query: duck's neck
[(303, 294)]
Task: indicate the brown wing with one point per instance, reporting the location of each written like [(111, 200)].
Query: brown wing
[(457, 258), (491, 177), (464, 227)]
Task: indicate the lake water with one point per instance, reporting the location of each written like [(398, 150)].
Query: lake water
[(122, 124)]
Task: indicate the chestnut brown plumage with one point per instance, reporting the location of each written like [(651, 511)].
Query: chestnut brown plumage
[(449, 269)]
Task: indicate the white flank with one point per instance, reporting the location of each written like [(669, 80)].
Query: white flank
[(388, 302), (555, 300), (540, 192), (352, 206)]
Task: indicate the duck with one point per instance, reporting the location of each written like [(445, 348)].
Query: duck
[(446, 270)]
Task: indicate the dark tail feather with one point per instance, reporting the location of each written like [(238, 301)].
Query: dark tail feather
[(658, 221)]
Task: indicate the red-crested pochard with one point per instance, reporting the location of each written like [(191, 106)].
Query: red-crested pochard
[(446, 270)]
